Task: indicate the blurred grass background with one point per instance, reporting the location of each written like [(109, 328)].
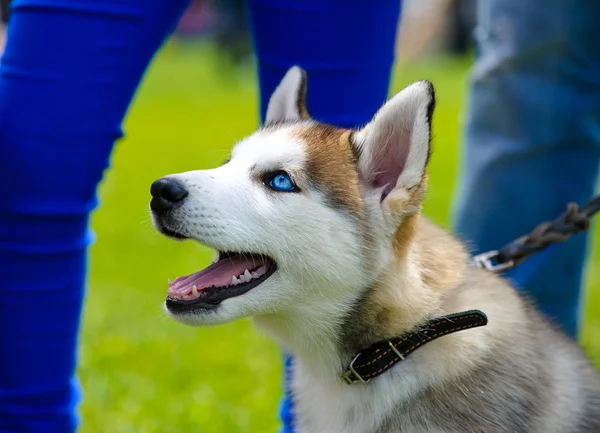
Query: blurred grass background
[(142, 372)]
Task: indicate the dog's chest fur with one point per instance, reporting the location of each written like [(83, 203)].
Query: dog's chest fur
[(542, 385), (323, 405)]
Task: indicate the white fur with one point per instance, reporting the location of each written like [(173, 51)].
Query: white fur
[(324, 404)]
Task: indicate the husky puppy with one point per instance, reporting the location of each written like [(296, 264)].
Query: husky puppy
[(320, 239)]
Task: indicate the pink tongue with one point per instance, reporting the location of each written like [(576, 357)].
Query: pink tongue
[(218, 274)]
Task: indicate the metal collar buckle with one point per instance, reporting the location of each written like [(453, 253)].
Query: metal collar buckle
[(352, 372)]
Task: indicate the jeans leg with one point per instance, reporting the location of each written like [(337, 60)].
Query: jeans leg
[(532, 135)]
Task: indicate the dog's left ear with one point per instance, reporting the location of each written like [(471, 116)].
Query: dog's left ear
[(288, 102), (393, 149)]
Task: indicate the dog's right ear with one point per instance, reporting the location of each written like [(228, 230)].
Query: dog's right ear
[(393, 149), (288, 102)]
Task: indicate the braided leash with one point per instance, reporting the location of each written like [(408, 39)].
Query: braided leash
[(574, 220)]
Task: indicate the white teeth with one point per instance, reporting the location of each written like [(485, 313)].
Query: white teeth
[(245, 277), (195, 290), (253, 275)]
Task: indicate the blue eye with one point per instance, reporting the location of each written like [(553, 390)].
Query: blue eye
[(282, 182)]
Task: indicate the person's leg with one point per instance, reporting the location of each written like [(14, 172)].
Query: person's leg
[(345, 46), (532, 138), (66, 79), (347, 50)]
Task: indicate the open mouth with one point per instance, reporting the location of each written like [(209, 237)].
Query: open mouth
[(232, 275)]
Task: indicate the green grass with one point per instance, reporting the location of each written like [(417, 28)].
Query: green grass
[(141, 371)]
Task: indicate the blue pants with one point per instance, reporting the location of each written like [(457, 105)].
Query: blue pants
[(67, 77)]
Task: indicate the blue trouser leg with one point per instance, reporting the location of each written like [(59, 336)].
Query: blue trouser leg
[(347, 49), (532, 138), (67, 77)]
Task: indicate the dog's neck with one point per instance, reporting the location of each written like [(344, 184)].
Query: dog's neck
[(410, 291)]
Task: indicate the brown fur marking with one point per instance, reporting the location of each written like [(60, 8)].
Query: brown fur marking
[(331, 166)]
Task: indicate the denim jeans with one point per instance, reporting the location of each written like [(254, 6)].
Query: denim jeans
[(532, 139)]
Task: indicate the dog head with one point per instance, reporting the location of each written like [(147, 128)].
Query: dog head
[(304, 215)]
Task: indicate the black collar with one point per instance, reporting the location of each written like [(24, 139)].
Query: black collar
[(381, 356)]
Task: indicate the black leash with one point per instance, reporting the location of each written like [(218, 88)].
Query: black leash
[(574, 220), (383, 355)]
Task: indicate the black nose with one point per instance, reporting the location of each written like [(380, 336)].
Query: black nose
[(166, 194)]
